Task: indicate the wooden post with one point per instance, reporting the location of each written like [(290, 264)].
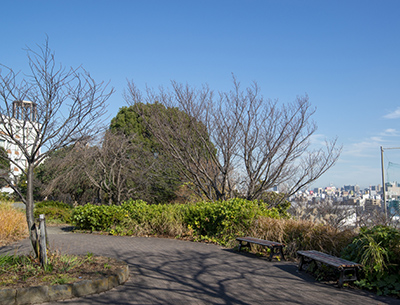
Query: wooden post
[(42, 240)]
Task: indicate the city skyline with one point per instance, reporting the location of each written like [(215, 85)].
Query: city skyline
[(342, 54)]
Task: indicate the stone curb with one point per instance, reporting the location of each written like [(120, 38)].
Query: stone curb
[(42, 294)]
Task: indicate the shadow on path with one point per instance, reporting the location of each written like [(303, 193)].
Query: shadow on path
[(167, 271)]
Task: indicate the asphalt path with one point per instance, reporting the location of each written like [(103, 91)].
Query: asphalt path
[(169, 271)]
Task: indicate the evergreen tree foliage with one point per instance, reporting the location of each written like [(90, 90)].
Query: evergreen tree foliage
[(163, 180)]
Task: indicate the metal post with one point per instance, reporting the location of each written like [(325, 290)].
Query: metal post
[(383, 184), (42, 240)]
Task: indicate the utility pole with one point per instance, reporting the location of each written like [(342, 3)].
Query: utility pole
[(383, 184)]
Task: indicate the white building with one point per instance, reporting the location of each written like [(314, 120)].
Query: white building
[(23, 127)]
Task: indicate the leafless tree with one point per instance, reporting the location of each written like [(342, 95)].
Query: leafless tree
[(327, 212), (238, 142), (186, 138), (67, 106), (62, 176), (117, 167), (375, 217)]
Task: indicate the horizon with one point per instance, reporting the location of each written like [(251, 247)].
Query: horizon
[(342, 54)]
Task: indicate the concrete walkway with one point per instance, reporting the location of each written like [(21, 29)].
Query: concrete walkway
[(167, 271)]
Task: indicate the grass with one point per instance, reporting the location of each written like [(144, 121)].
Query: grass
[(13, 224), (302, 235), (18, 271)]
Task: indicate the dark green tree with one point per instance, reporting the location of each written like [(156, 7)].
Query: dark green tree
[(159, 183)]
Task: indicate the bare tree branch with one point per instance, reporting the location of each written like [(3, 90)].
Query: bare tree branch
[(67, 106), (238, 143)]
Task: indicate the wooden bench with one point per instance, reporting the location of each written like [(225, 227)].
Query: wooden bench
[(348, 270), (275, 247)]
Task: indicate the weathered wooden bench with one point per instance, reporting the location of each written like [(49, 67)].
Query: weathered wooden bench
[(348, 270), (275, 247)]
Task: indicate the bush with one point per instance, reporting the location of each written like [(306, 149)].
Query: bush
[(152, 219), (55, 211), (222, 221), (13, 224), (6, 197), (378, 250), (98, 218), (218, 221)]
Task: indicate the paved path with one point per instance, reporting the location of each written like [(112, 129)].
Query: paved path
[(167, 271)]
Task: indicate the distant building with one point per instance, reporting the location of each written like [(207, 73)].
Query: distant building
[(23, 125), (371, 205), (318, 190), (392, 190), (376, 188)]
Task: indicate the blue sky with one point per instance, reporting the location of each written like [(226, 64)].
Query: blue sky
[(344, 54)]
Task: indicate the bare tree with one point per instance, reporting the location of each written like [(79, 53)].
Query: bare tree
[(117, 167), (248, 144), (66, 107), (375, 217), (62, 176), (185, 137), (327, 212)]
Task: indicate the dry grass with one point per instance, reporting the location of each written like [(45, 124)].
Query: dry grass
[(13, 224), (303, 235)]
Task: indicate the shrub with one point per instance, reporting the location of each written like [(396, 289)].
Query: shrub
[(98, 218), (6, 197), (13, 224), (222, 221), (152, 219), (218, 221), (378, 249), (55, 211)]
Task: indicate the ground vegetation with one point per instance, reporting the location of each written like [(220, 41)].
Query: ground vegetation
[(13, 224), (18, 271)]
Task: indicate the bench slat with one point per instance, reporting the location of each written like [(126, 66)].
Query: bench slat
[(272, 245), (260, 241), (329, 259)]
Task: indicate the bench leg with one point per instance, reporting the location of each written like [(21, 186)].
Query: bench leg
[(281, 251), (276, 251), (357, 274), (301, 262), (241, 245), (341, 278), (271, 255), (345, 277)]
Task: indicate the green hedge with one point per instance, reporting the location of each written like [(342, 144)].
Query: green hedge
[(54, 211), (98, 218), (215, 221), (221, 221)]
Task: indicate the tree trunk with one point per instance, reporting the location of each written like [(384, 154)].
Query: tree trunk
[(33, 230)]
